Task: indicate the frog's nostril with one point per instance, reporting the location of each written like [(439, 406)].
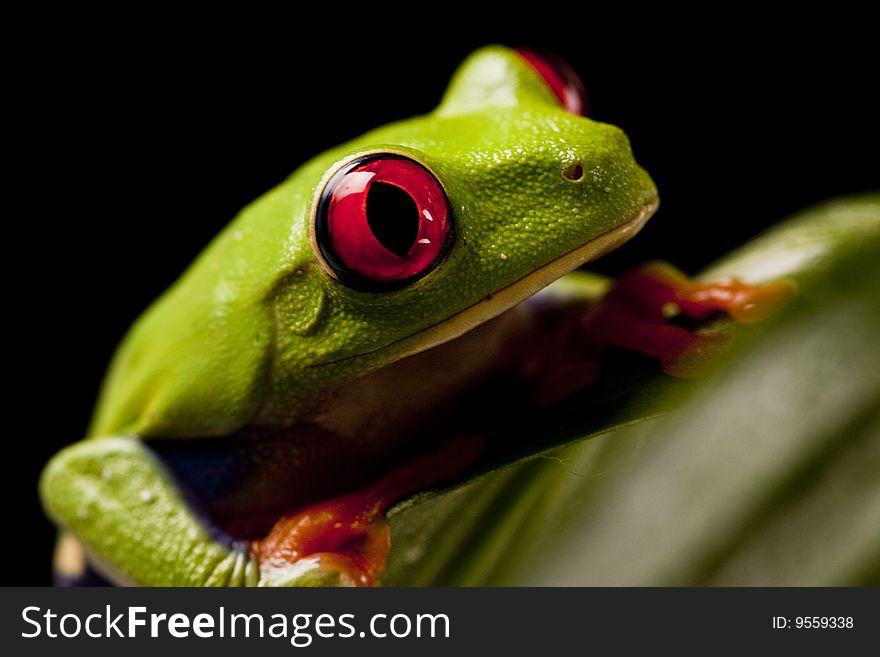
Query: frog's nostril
[(574, 171)]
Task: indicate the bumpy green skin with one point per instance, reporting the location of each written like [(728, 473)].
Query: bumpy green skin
[(256, 328)]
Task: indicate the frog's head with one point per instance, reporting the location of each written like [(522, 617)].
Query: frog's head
[(399, 240), (424, 228)]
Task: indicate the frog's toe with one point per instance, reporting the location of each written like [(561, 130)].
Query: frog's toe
[(71, 567), (757, 302)]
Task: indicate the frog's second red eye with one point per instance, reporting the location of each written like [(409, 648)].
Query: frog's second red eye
[(382, 222), (561, 78)]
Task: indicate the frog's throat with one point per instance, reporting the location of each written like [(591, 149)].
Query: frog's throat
[(517, 292)]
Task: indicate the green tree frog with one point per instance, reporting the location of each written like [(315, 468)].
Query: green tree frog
[(330, 351)]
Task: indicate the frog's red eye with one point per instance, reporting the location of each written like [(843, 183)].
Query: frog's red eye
[(382, 222), (561, 78)]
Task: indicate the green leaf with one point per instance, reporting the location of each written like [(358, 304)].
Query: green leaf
[(765, 472)]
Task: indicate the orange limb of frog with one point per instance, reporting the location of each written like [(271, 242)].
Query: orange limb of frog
[(348, 533), (635, 314)]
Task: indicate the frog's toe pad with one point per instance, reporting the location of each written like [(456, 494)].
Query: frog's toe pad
[(757, 302)]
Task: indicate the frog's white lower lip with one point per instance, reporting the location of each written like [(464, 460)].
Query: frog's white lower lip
[(515, 293)]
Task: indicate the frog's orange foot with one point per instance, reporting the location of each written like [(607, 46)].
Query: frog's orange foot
[(638, 314), (346, 540), (330, 541), (357, 562), (658, 289)]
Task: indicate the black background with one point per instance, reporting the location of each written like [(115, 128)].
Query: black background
[(140, 137)]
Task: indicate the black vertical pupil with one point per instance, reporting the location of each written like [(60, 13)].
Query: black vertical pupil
[(393, 217)]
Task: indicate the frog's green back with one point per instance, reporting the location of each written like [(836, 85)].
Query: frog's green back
[(204, 343), (256, 324)]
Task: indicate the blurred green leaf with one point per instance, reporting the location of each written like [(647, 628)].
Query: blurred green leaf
[(766, 472)]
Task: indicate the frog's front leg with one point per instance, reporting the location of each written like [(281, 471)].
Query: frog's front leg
[(640, 312)]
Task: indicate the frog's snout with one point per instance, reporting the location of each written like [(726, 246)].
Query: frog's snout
[(605, 168)]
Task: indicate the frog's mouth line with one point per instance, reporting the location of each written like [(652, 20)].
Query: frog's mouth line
[(513, 294)]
